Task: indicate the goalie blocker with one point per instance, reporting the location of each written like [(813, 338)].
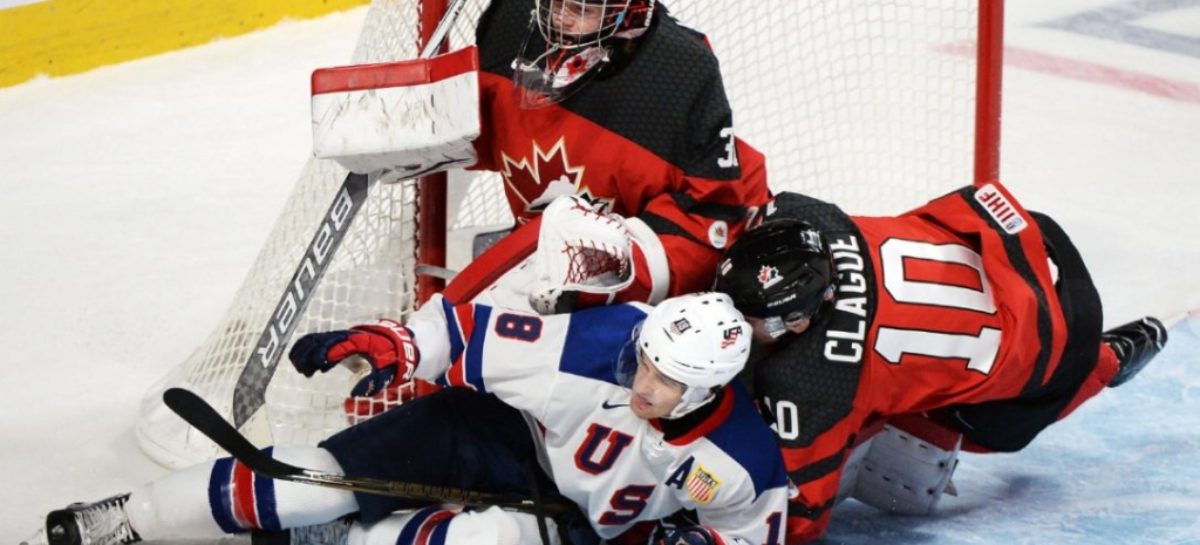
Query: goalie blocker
[(411, 117)]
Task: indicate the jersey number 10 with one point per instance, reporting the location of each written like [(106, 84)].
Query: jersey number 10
[(980, 349)]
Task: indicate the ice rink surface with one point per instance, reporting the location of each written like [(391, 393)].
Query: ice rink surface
[(133, 199)]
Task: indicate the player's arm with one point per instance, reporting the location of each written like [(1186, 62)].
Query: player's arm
[(511, 354), (697, 222), (466, 345), (722, 180)]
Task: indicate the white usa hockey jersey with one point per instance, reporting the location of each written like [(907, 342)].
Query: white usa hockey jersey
[(619, 468)]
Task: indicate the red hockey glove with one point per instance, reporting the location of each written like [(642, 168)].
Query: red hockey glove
[(688, 535), (387, 345)]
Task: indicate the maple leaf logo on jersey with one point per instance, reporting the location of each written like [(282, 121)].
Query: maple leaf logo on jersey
[(550, 174)]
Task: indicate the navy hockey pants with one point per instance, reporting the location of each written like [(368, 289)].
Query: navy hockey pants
[(456, 438)]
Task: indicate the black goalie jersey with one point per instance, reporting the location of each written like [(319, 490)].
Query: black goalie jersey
[(652, 136)]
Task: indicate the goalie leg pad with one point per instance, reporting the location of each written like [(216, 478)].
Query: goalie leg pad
[(904, 473)]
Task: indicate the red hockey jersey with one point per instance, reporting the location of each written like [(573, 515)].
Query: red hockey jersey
[(951, 303), (651, 137)]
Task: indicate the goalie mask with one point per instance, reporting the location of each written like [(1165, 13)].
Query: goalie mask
[(780, 271), (569, 41), (699, 340)]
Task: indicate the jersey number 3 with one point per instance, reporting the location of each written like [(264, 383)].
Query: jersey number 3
[(730, 159), (971, 291)]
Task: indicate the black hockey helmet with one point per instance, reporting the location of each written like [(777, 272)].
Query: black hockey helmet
[(780, 269)]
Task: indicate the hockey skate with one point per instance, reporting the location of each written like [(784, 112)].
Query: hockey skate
[(100, 523), (330, 533), (38, 539), (1135, 344)]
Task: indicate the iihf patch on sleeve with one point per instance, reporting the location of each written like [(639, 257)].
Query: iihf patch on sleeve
[(1002, 211), (702, 485)]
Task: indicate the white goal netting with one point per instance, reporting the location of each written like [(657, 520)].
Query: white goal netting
[(867, 103)]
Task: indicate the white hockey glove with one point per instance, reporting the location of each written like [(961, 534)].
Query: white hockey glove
[(586, 258)]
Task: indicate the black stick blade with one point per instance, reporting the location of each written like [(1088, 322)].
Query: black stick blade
[(197, 412)]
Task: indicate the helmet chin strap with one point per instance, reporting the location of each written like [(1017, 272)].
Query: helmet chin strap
[(693, 398)]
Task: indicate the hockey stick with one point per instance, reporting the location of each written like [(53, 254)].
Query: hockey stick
[(200, 415), (249, 394)]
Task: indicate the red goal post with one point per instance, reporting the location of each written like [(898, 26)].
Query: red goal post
[(876, 105)]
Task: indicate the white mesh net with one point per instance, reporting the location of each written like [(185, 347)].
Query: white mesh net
[(861, 102)]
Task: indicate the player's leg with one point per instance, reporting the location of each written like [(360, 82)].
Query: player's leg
[(445, 525), (1009, 425), (207, 500), (454, 437), (1124, 352), (1134, 345), (465, 440)]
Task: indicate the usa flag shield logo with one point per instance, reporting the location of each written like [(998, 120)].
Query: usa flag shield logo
[(702, 485)]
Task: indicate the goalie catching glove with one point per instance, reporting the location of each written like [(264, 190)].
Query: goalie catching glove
[(387, 345), (586, 258)]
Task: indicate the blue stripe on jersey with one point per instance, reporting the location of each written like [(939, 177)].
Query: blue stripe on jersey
[(438, 537), (219, 498), (474, 360), (594, 340), (264, 497), (456, 340), (408, 534), (745, 439)]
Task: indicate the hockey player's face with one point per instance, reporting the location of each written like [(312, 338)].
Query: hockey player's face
[(574, 18), (654, 394)]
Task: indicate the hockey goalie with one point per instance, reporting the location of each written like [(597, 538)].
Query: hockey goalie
[(571, 100)]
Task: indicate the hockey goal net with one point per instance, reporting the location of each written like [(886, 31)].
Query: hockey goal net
[(877, 105)]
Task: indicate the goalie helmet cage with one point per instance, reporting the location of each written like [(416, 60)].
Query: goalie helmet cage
[(876, 105)]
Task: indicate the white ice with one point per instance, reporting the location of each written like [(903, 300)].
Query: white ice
[(133, 199)]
